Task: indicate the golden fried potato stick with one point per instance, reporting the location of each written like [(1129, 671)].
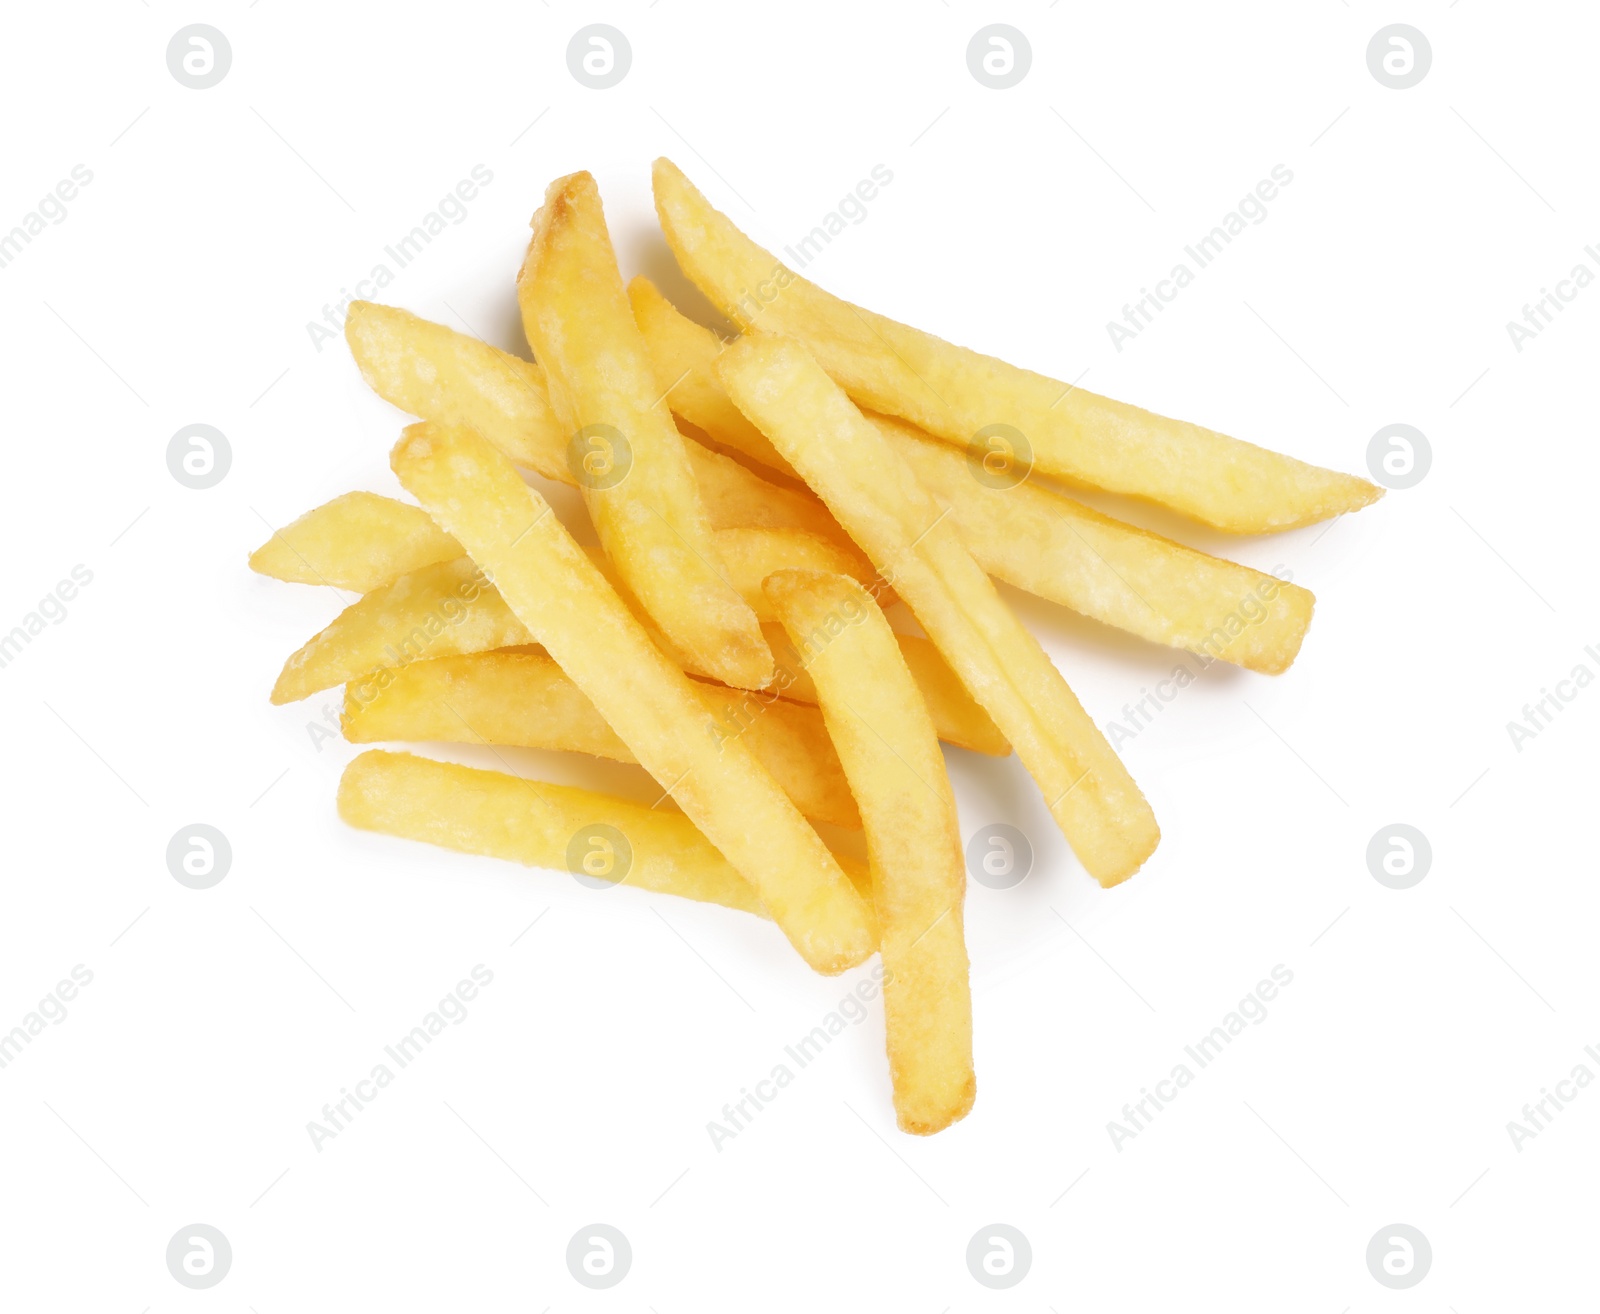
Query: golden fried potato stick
[(358, 541), (437, 374), (873, 493), (523, 699), (538, 825), (750, 555), (627, 454), (451, 609), (880, 726), (1027, 535), (963, 397), (567, 606)]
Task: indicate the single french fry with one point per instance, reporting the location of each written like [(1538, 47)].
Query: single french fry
[(569, 608), (539, 825), (437, 611), (523, 699), (872, 492), (963, 397), (635, 477), (681, 352), (358, 541), (879, 724), (437, 374), (1027, 535)]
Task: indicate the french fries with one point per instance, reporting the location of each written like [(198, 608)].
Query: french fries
[(358, 541), (523, 699), (435, 373), (956, 394), (872, 492), (624, 449), (554, 589), (887, 747), (1028, 536)]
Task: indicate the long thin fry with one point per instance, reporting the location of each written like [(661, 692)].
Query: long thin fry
[(963, 397), (875, 495), (548, 582), (358, 541), (877, 721)]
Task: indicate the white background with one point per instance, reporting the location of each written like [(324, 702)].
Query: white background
[(178, 290)]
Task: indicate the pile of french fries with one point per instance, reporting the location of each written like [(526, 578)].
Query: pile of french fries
[(759, 504)]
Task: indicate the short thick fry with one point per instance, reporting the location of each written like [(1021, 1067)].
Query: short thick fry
[(643, 497), (358, 541), (538, 825), (957, 394), (880, 726), (566, 604), (1030, 536), (874, 494), (437, 374), (523, 699)]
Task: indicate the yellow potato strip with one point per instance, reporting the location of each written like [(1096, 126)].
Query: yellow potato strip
[(873, 493), (358, 541), (524, 700), (959, 395), (1029, 536), (878, 723), (566, 604)]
